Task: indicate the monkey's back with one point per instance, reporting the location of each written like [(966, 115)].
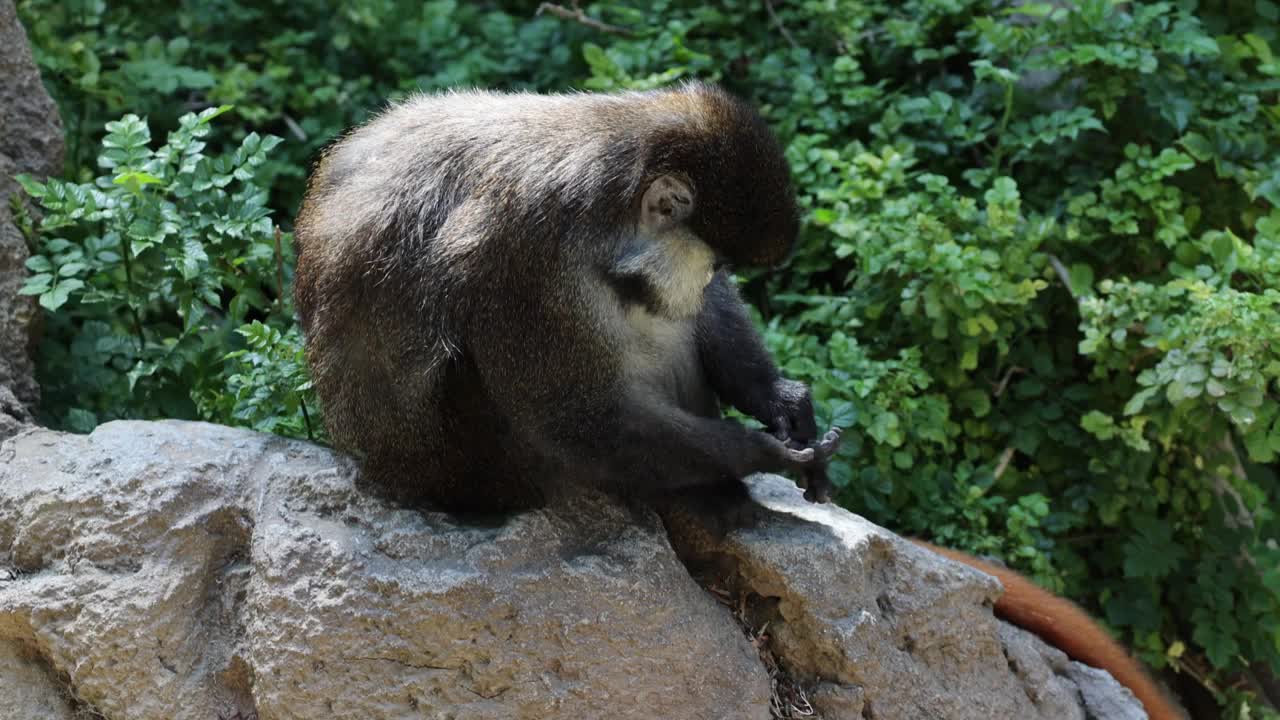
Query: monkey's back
[(452, 217), (409, 224)]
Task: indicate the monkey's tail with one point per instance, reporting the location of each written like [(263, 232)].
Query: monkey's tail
[(1062, 624)]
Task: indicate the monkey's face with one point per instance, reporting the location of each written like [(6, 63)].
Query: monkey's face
[(749, 214), (736, 179), (740, 221)]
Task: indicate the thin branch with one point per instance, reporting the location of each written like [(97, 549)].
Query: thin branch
[(777, 21), (1005, 459), (295, 128), (1063, 274), (1004, 381), (1224, 488), (279, 272), (126, 250), (581, 18), (306, 419)]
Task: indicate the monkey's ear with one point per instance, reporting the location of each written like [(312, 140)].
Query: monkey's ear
[(667, 202)]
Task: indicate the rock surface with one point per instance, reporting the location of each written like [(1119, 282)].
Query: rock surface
[(884, 629), (30, 142), (183, 570)]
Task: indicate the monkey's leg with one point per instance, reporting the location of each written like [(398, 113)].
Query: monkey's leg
[(743, 375)]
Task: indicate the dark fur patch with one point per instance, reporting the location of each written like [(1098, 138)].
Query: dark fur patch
[(635, 290)]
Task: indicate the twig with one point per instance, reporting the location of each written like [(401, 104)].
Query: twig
[(295, 128), (1063, 274), (1004, 381), (1223, 487), (777, 21), (1004, 463), (279, 272), (306, 418), (126, 250), (581, 18)]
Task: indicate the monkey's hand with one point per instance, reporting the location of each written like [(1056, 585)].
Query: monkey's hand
[(789, 455), (817, 486), (788, 413)]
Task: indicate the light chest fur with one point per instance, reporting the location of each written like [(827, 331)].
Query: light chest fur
[(660, 355)]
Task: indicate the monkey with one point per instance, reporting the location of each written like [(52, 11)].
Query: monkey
[(1064, 625), (504, 295)]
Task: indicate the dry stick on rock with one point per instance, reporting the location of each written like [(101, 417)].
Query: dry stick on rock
[(581, 18)]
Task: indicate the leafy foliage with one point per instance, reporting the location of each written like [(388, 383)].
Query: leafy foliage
[(1038, 275), (148, 270)]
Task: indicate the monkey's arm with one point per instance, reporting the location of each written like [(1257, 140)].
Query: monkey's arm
[(743, 375), (570, 400)]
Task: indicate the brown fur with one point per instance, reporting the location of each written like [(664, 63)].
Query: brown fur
[(487, 318)]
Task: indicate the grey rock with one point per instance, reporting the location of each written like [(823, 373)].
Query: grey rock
[(14, 415), (1065, 688), (183, 570), (878, 627), (27, 690), (30, 129), (1102, 696), (30, 142)]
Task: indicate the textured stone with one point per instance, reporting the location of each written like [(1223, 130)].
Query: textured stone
[(30, 142), (27, 690), (181, 570), (879, 627)]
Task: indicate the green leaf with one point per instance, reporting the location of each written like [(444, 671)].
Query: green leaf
[(1198, 146), (1081, 276), (37, 284), (39, 264), (31, 186), (135, 178), (1099, 424), (1138, 401), (208, 115), (55, 298), (1152, 551)]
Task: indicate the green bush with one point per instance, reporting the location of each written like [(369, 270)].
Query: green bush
[(1039, 274), (148, 270)]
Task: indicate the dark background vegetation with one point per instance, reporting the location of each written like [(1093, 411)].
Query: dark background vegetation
[(1039, 276)]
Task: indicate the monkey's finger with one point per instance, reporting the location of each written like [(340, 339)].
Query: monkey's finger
[(829, 443), (818, 494), (800, 457), (816, 483)]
